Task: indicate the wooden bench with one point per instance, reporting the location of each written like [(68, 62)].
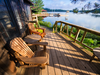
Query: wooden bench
[(96, 52)]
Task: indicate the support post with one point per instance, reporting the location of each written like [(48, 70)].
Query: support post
[(83, 36), (60, 27), (63, 28), (71, 31), (77, 33), (67, 29)]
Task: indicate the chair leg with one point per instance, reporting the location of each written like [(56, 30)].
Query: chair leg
[(47, 62), (42, 66), (92, 58)]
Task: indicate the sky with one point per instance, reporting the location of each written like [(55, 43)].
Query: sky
[(66, 4)]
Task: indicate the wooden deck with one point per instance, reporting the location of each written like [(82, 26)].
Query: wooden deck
[(65, 59)]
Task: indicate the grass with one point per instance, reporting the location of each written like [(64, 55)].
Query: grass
[(47, 24)]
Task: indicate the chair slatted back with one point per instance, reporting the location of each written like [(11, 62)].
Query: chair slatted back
[(31, 27), (18, 45)]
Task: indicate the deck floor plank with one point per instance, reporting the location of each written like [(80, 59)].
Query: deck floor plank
[(54, 57), (30, 71), (51, 70), (60, 58), (44, 71), (95, 65), (65, 58), (37, 71), (75, 62), (75, 55), (77, 71)]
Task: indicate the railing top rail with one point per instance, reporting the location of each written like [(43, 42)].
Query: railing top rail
[(83, 28)]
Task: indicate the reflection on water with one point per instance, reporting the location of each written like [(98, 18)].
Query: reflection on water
[(84, 20), (96, 15)]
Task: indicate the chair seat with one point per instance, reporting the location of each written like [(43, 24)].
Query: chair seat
[(39, 58), (34, 60)]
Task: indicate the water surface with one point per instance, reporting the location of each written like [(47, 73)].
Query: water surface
[(90, 20)]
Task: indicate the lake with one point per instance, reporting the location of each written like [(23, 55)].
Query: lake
[(90, 20)]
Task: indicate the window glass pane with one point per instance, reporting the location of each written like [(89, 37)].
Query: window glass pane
[(16, 13), (7, 28), (19, 16)]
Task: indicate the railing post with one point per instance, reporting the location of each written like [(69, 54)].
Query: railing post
[(63, 28), (77, 33), (67, 29), (53, 29), (71, 31), (60, 27), (83, 36), (56, 29)]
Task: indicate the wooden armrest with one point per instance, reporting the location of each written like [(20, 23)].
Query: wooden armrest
[(40, 43), (32, 21)]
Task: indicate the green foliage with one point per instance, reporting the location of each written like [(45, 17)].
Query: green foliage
[(40, 18), (75, 10), (96, 5), (38, 6), (82, 10), (87, 11), (73, 36), (90, 42), (47, 24), (96, 11)]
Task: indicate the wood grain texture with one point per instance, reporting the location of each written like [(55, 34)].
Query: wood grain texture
[(67, 58)]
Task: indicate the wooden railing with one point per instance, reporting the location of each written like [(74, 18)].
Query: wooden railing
[(42, 14), (66, 28), (35, 20)]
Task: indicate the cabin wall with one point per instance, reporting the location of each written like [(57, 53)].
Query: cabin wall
[(28, 11), (8, 28), (13, 23), (14, 17), (19, 13)]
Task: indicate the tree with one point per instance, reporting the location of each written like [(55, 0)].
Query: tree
[(82, 10), (38, 6), (75, 10), (75, 1), (87, 5), (96, 5)]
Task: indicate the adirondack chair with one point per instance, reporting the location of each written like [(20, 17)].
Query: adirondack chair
[(34, 30), (26, 57)]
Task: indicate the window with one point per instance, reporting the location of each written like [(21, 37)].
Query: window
[(20, 18), (7, 28), (28, 12)]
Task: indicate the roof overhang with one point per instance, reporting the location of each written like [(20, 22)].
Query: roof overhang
[(28, 2)]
